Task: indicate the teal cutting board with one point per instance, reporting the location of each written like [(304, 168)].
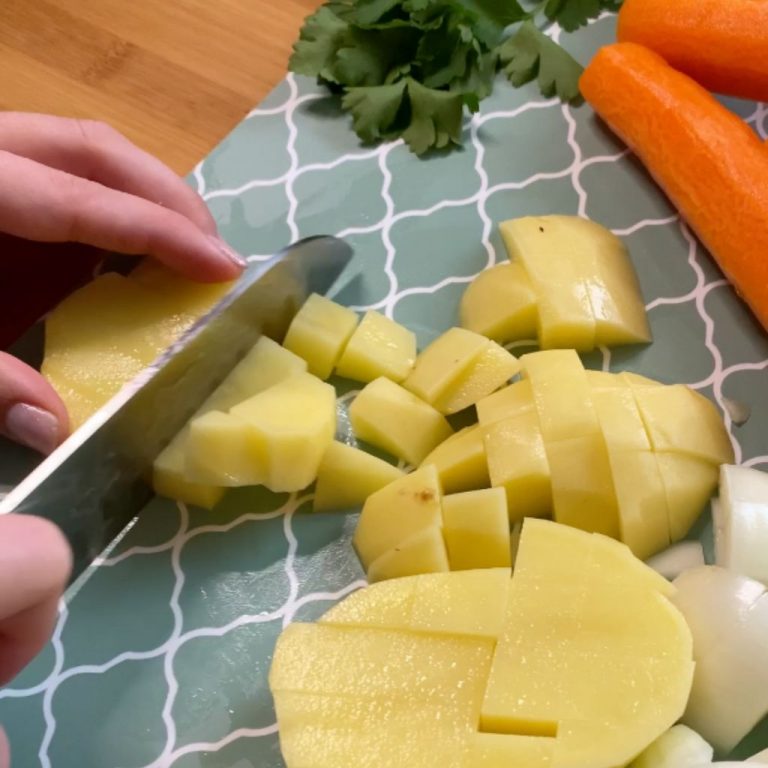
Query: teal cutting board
[(161, 659)]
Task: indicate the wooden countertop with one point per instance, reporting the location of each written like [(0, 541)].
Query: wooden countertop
[(173, 75)]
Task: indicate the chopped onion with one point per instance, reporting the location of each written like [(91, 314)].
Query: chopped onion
[(679, 747), (678, 558), (728, 617), (741, 522)]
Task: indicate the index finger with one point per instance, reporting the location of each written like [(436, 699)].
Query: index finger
[(97, 152)]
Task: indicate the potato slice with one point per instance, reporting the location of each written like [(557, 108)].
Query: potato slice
[(513, 400), (291, 424), (460, 461), (347, 476), (517, 462), (500, 303), (389, 417), (378, 347), (319, 332), (476, 529)]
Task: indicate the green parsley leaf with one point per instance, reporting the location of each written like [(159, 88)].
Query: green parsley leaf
[(374, 109), (435, 118), (529, 54), (314, 53), (572, 14)]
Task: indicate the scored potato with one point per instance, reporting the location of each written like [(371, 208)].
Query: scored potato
[(586, 288), (578, 660)]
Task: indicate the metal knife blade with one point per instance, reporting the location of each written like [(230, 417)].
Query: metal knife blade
[(97, 480)]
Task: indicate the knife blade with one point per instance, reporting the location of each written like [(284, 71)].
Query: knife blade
[(95, 483)]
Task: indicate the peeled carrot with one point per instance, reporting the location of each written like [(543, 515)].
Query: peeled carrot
[(722, 44), (710, 163)]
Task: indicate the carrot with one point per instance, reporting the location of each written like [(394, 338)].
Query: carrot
[(722, 44), (710, 163)]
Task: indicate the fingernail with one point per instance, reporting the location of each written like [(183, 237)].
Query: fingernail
[(32, 426), (225, 250)]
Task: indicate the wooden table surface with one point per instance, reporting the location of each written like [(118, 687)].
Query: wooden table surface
[(173, 75)]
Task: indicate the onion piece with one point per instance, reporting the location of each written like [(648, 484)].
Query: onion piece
[(741, 522), (760, 757), (728, 617), (679, 747), (678, 558)]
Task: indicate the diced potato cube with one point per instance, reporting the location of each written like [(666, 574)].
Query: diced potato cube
[(517, 462), (443, 363), (460, 461), (168, 478), (424, 552), (266, 364), (513, 400), (378, 347), (347, 476), (561, 393), (476, 529), (679, 420), (543, 248), (389, 417), (219, 451), (292, 424), (582, 485), (492, 369), (500, 303), (404, 507), (689, 483), (319, 333)]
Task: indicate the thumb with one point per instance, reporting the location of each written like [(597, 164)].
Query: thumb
[(31, 413)]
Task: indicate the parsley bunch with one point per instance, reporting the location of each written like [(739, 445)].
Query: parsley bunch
[(407, 68)]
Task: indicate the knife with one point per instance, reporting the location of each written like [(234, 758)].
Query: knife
[(95, 483)]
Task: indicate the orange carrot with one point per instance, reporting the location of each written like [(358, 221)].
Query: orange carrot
[(710, 163), (722, 44)]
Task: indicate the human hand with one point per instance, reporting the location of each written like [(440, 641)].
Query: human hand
[(35, 563), (79, 181)]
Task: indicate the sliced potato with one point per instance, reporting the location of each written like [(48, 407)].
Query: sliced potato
[(423, 552), (513, 400)]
